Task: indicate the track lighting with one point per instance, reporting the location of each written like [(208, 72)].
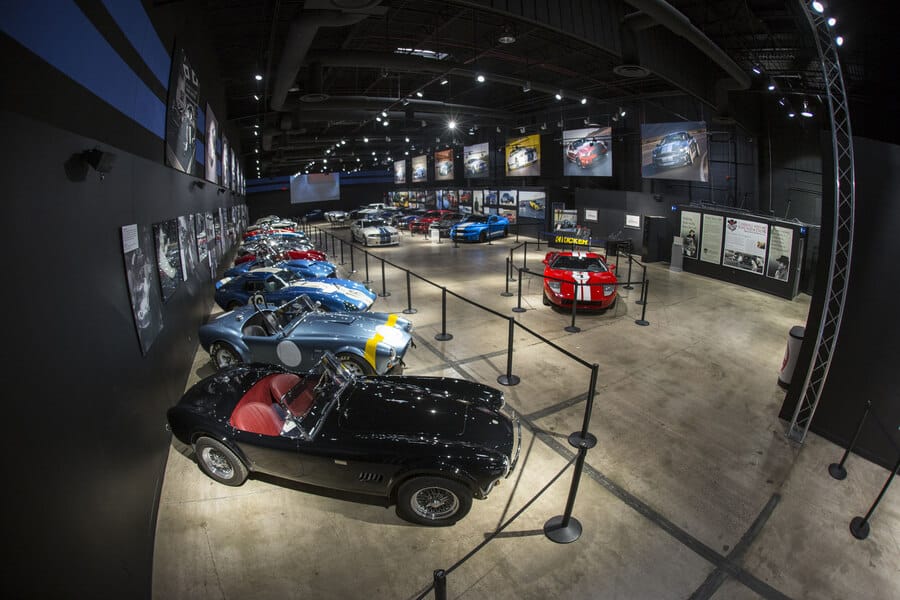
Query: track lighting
[(526, 87), (521, 130), (584, 100), (559, 95), (366, 140), (419, 94), (832, 21), (451, 124), (480, 78), (818, 7), (444, 81), (756, 70), (257, 77), (839, 40), (771, 86), (806, 112), (543, 126), (405, 101)]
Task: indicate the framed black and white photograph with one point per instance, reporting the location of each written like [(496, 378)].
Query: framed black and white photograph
[(146, 306), (168, 257), (181, 115), (187, 243)]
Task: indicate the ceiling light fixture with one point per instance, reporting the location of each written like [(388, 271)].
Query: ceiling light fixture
[(366, 140), (526, 87), (498, 129), (622, 112), (806, 112), (587, 120), (480, 78), (792, 114), (584, 100), (257, 77), (419, 94), (521, 130), (407, 140), (378, 118), (384, 113), (559, 95), (385, 122), (256, 97), (756, 70), (405, 101), (543, 126), (771, 86), (832, 21), (451, 124), (818, 7), (507, 36), (839, 40), (444, 81)]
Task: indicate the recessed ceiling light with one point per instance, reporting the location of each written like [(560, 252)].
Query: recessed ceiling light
[(366, 140), (257, 77), (444, 81), (480, 78), (255, 97), (419, 94), (584, 100), (559, 95)]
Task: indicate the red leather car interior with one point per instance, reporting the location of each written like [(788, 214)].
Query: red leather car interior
[(281, 384), (256, 413)]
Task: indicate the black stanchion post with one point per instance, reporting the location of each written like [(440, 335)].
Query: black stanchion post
[(367, 281), (384, 292), (643, 322), (510, 262), (507, 293), (409, 310), (859, 526), (837, 470), (565, 529), (440, 584), (443, 336), (352, 266), (572, 328), (628, 285), (643, 297), (509, 378), (517, 233), (325, 235), (342, 252), (518, 307)]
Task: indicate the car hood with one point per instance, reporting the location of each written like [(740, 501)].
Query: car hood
[(592, 276), (387, 329), (467, 225), (670, 147), (432, 408)]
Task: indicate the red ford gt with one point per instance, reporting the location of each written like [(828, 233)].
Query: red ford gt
[(582, 275)]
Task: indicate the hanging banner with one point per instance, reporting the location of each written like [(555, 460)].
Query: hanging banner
[(711, 242), (745, 245), (690, 227), (781, 240)]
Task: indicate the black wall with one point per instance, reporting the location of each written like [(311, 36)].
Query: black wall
[(86, 410)]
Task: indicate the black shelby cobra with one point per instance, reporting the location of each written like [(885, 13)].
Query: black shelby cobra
[(430, 444)]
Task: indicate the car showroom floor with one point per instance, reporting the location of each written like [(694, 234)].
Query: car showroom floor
[(692, 491)]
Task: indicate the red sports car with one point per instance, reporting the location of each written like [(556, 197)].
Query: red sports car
[(290, 254), (584, 152), (423, 223), (260, 230), (583, 275)]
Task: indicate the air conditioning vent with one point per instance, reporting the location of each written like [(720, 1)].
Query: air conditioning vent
[(314, 97), (632, 71)]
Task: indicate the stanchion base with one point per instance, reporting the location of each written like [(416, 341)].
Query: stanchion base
[(384, 295), (511, 380), (642, 322), (859, 527), (519, 309), (837, 471), (572, 329), (562, 535), (410, 311), (588, 441), (367, 281), (627, 287), (506, 294), (639, 302), (443, 337)]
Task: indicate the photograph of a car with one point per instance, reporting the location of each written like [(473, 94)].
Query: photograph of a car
[(445, 168), (428, 444), (675, 150), (476, 165), (520, 158), (584, 152), (297, 333)]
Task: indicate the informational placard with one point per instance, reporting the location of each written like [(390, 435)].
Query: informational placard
[(590, 214), (745, 245), (633, 221), (137, 248), (711, 241), (443, 165), (419, 169), (781, 241), (399, 171), (690, 229)]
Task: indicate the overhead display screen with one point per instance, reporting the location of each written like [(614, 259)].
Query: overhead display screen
[(675, 151), (523, 156), (475, 159), (419, 169), (399, 171), (443, 165), (588, 152), (315, 187)]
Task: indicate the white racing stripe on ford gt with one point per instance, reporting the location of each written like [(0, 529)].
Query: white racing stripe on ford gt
[(582, 291)]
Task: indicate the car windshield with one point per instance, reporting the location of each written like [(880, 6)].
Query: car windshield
[(290, 314), (673, 137), (578, 263), (333, 382), (475, 219), (373, 223)]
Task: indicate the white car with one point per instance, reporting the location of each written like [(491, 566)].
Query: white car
[(336, 216), (374, 232)]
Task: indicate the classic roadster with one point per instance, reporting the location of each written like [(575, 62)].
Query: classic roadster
[(278, 286), (428, 444), (308, 269), (583, 276), (296, 334)]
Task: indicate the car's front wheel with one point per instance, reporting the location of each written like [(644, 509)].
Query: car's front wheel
[(356, 365), (224, 356), (433, 501), (482, 237), (219, 462)]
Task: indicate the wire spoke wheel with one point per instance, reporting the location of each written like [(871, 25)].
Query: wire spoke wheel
[(217, 462), (434, 503)]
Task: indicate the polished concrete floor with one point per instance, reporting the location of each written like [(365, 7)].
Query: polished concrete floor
[(692, 491)]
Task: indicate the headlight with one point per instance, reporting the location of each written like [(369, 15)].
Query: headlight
[(554, 286), (608, 289)]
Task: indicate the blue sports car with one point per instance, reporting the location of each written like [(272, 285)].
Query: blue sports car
[(278, 286), (297, 334), (308, 269), (478, 228)]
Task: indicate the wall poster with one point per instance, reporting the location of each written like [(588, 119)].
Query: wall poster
[(675, 151), (168, 257), (508, 198), (745, 245), (532, 204), (476, 159), (187, 243), (137, 248), (212, 146), (690, 230), (181, 115), (523, 156), (478, 202), (781, 241), (225, 181), (399, 171), (711, 242), (587, 152), (212, 244), (419, 169), (200, 231), (443, 165)]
